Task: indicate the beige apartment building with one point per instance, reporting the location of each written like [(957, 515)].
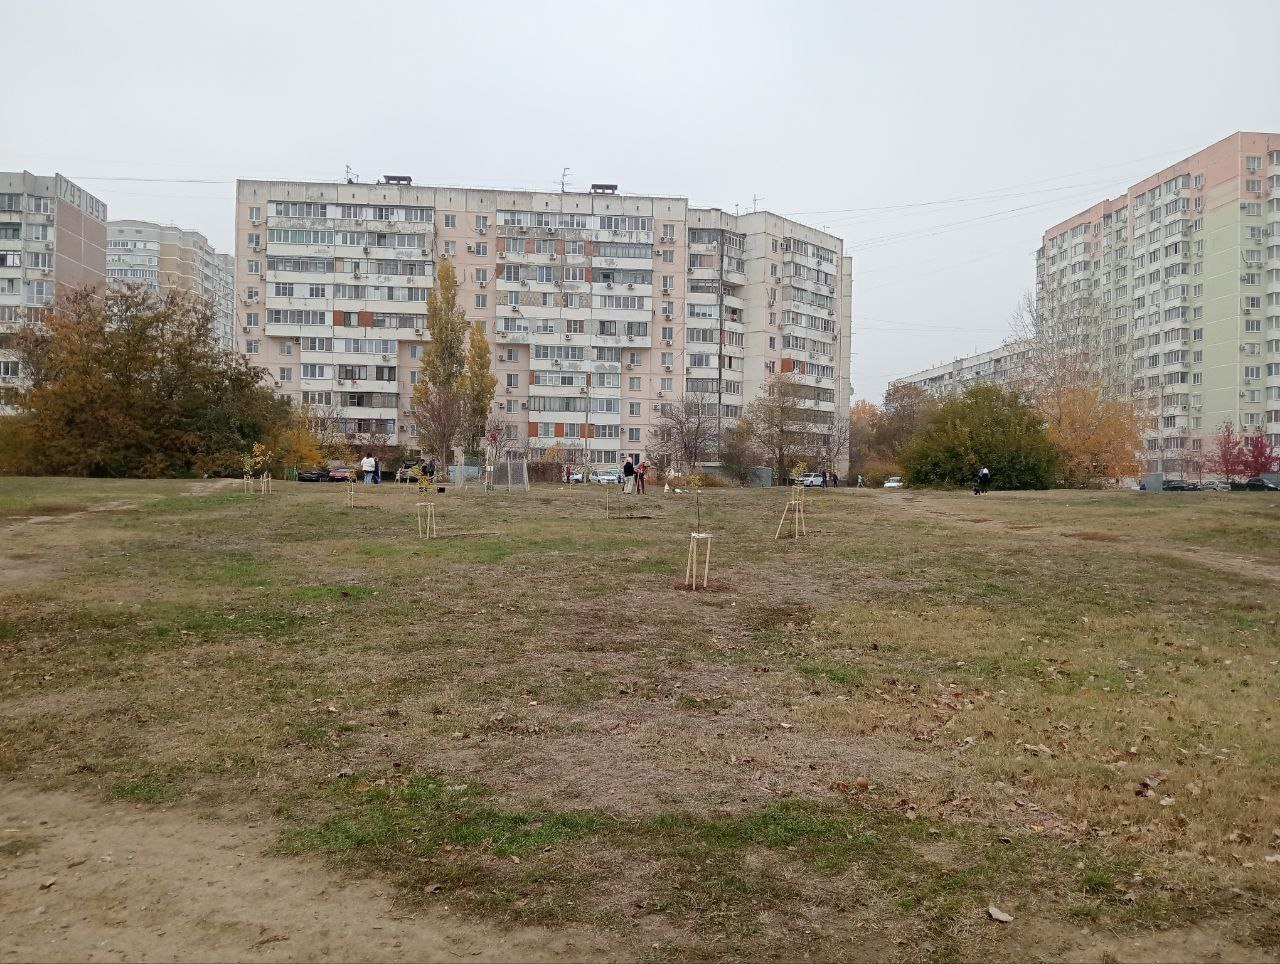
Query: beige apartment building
[(1004, 367), (164, 257), (601, 308), (1179, 278), (53, 234)]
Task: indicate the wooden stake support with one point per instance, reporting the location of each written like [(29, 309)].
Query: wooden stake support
[(351, 493), (691, 563), (794, 509), (427, 523), (264, 483), (248, 483), (606, 501)]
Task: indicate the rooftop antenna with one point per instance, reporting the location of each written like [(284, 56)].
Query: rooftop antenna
[(564, 177), (755, 202), (351, 176)]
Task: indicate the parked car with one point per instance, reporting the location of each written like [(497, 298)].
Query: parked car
[(576, 475), (1214, 485), (1180, 485), (1259, 484), (893, 482), (340, 475), (313, 475), (606, 476), (810, 478)]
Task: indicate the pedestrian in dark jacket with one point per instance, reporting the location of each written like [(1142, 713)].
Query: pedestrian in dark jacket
[(984, 481)]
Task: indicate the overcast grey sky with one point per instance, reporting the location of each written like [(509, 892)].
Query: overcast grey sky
[(824, 110)]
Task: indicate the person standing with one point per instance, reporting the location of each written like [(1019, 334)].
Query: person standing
[(377, 470), (367, 465), (641, 469), (984, 481), (628, 477)]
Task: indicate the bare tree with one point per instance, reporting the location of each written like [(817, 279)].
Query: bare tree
[(687, 432), (785, 424)]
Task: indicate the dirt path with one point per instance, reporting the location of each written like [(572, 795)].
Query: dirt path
[(140, 884), (1209, 558)]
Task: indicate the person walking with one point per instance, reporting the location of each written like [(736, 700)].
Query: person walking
[(984, 481), (377, 470), (367, 465), (431, 469), (628, 477), (641, 470)]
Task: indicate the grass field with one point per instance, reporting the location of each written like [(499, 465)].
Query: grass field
[(1063, 704)]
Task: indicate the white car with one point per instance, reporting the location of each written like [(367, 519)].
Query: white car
[(606, 476), (810, 478), (893, 482)]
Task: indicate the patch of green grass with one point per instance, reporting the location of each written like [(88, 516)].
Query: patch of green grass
[(712, 704), (18, 846), (832, 673), (149, 788)]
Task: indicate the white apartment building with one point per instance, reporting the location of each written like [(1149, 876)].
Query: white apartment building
[(1003, 367), (52, 236), (601, 308), (1179, 278), (164, 256)]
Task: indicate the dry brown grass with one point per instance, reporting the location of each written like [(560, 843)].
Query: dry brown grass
[(1018, 693)]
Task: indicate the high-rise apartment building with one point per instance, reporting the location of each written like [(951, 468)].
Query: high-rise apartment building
[(164, 257), (601, 308), (53, 234), (1004, 367), (1176, 285)]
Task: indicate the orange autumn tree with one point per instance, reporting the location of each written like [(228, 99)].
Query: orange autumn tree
[(1096, 437)]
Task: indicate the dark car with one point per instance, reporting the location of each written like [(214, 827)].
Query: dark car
[(1259, 484), (313, 475), (1180, 485), (340, 475)]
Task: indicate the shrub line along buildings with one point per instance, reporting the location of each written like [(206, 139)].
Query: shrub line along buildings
[(601, 308), (1179, 280)]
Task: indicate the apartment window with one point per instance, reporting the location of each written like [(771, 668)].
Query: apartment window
[(482, 222), (40, 205), (282, 290), (607, 327), (286, 375), (1252, 163), (316, 291), (1252, 301), (1197, 357), (255, 241), (1253, 185), (1253, 324), (665, 385), (633, 409), (511, 406), (633, 435), (668, 333), (252, 346), (286, 348), (575, 274), (251, 293), (37, 232), (668, 256), (571, 300), (668, 309), (255, 267), (513, 380), (548, 299), (450, 247), (513, 299), (450, 220), (544, 275), (1251, 208), (482, 276), (546, 429), (1197, 334), (668, 232), (482, 248), (313, 371), (575, 247), (633, 384), (482, 301), (575, 326), (544, 246), (1252, 371), (252, 319), (633, 358), (1253, 395), (9, 369)]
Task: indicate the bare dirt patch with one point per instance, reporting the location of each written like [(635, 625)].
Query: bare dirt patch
[(140, 884)]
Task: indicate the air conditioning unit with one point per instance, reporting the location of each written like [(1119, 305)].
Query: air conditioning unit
[(48, 245), (558, 283), (660, 395), (553, 256), (46, 272), (508, 389), (568, 337), (522, 229), (417, 329), (557, 363), (427, 252), (481, 230), (666, 291), (657, 407), (471, 247), (245, 328), (666, 368), (630, 286), (524, 404), (342, 381), (551, 230), (582, 391), (630, 366), (608, 284), (502, 256), (524, 284), (297, 339), (631, 337)]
